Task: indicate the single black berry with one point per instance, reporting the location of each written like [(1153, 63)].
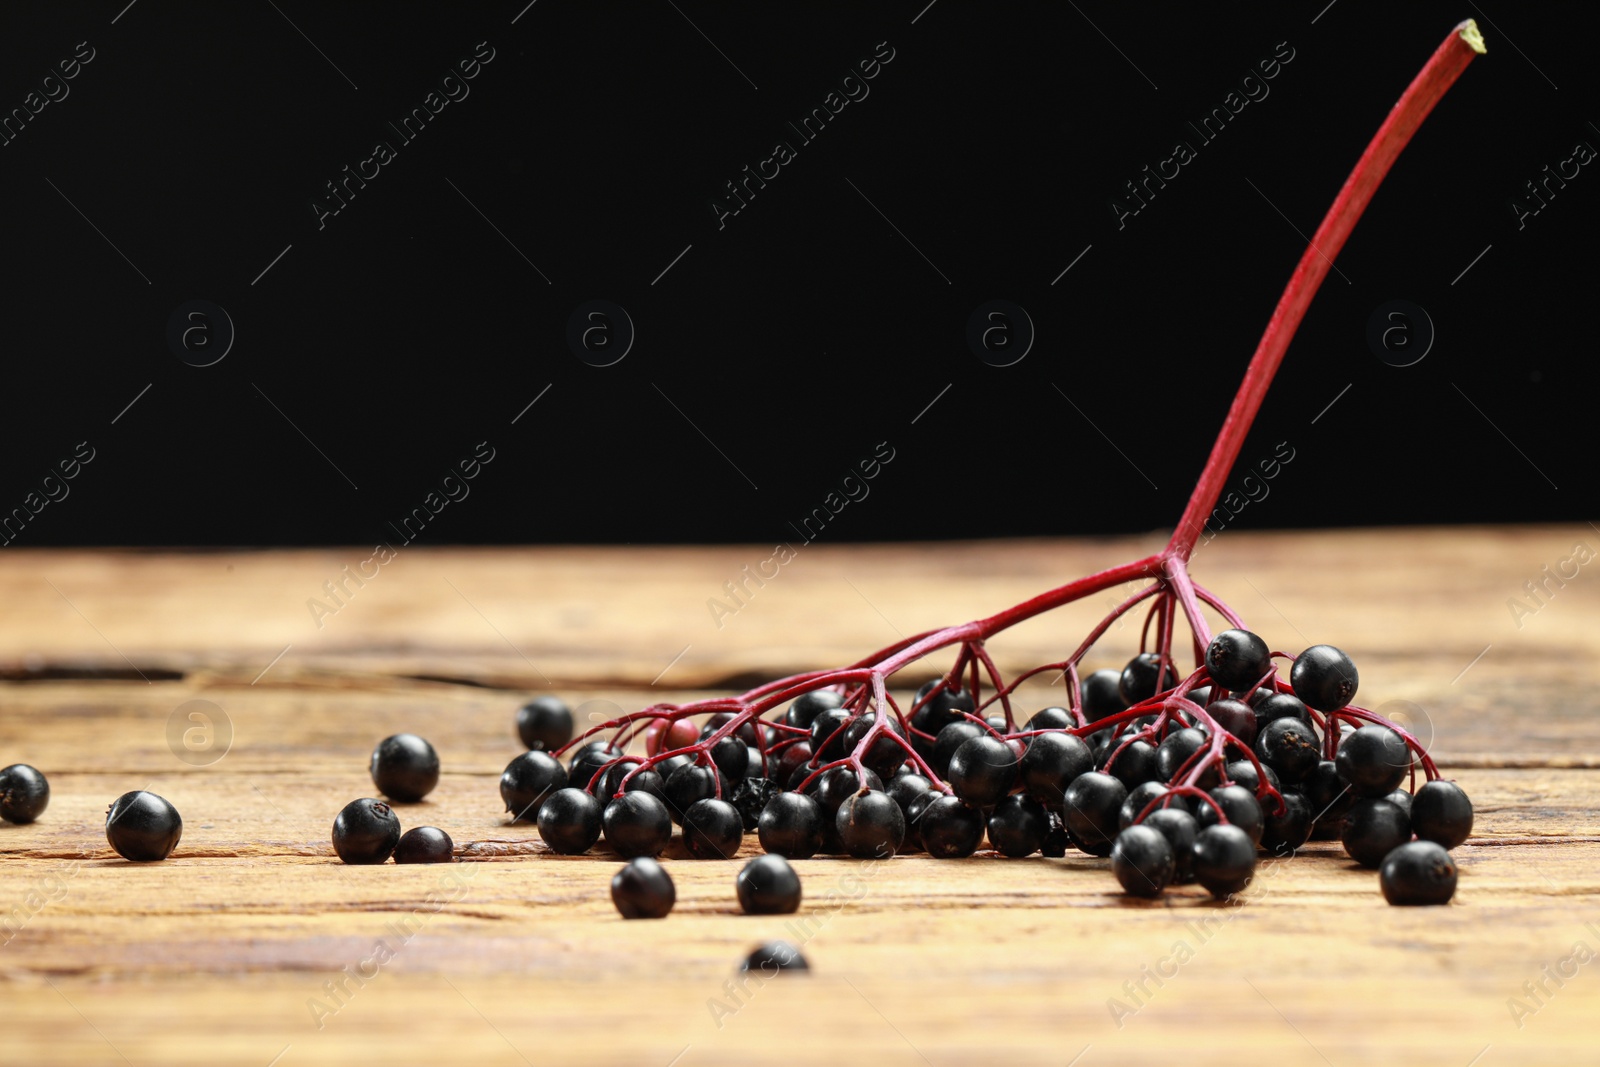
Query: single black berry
[(807, 706), (1180, 830), (1327, 794), (884, 755), (1238, 659), (24, 793), (904, 788), (1138, 798), (405, 768), (712, 830), (940, 709), (569, 821), (767, 885), (1373, 829), (1101, 693), (1224, 859), (983, 770), (1275, 706), (637, 824), (745, 731), (1286, 831), (950, 827), (1017, 826), (544, 722), (1050, 764), (1418, 872), (775, 957), (1050, 719), (588, 760), (365, 831), (1442, 813), (914, 812), (1374, 760), (952, 737), (1239, 805), (424, 844), (527, 780), (1324, 677), (871, 825), (1237, 718), (791, 825), (1176, 749), (1139, 679), (691, 784), (144, 827), (1142, 860), (1135, 763), (1290, 747), (643, 889), (1092, 805)]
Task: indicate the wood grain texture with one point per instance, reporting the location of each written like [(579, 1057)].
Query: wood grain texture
[(222, 954)]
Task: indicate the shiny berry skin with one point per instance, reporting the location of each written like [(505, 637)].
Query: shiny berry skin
[(1324, 677), (1101, 693), (405, 768), (712, 830), (745, 731), (1402, 800), (1441, 812), (1275, 706), (950, 828), (1050, 764), (1374, 760), (1283, 833), (1138, 798), (807, 706), (1051, 719), (1142, 860), (732, 757), (144, 827), (1238, 659), (1224, 860), (914, 812), (775, 957), (1180, 830), (791, 826), (983, 770), (767, 885), (569, 821), (1139, 678), (1237, 718), (1239, 805), (1327, 794), (1373, 829), (365, 831), (691, 784), (884, 755), (643, 889), (1289, 747), (1176, 749), (941, 709), (424, 844), (637, 824), (1418, 872), (1243, 772), (827, 734), (527, 780), (24, 793), (1135, 764), (611, 778), (544, 722), (904, 788), (1092, 804), (1017, 826), (952, 737), (871, 825)]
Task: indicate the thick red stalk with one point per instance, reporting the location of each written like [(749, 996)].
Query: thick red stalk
[(1440, 72)]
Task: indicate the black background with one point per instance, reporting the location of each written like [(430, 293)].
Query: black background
[(808, 329)]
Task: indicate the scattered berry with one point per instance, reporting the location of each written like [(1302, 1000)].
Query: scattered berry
[(144, 827), (405, 768), (544, 722), (365, 831), (767, 885), (24, 793), (643, 889), (424, 844), (1418, 872), (775, 957), (1441, 812), (526, 782)]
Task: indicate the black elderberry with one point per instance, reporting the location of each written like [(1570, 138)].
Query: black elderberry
[(951, 828), (807, 706), (1324, 677), (691, 784), (1092, 804), (1224, 859), (424, 844), (791, 826), (643, 889), (1237, 718), (827, 734), (405, 768), (1239, 805), (1238, 659), (1139, 679), (1373, 829), (1374, 760), (1138, 798), (941, 709), (1441, 812), (544, 722), (1180, 830), (1286, 831), (24, 793), (952, 737), (1017, 826), (1274, 706), (750, 799), (767, 885), (1050, 764), (983, 770), (527, 780), (712, 830), (569, 821), (775, 957), (1135, 764), (1101, 693), (637, 824), (1418, 872), (1142, 860), (144, 827), (1176, 749), (588, 761), (870, 825), (1050, 719), (365, 831), (1290, 747)]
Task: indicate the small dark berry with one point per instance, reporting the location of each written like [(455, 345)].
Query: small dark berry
[(1050, 764), (1017, 826), (1140, 678), (365, 831), (1324, 677), (1239, 805), (1101, 693), (952, 737), (527, 780), (1224, 860), (807, 706), (1135, 764), (983, 770), (1290, 747), (750, 799), (767, 885), (405, 768), (1178, 827), (871, 825), (544, 722), (424, 844), (144, 827), (1092, 805), (1238, 659), (1374, 760), (791, 825), (1142, 860), (569, 821), (24, 793), (951, 828), (637, 825), (1274, 706), (588, 761), (1418, 872), (1441, 812), (1373, 829), (691, 784), (1287, 831), (1051, 719), (775, 957), (712, 830), (643, 889)]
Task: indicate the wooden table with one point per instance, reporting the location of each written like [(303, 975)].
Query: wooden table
[(223, 954)]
